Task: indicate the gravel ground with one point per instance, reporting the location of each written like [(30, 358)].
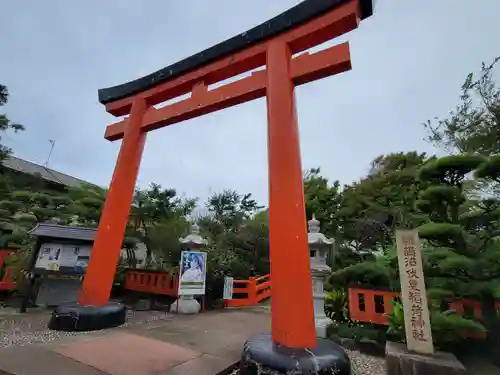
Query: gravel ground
[(363, 364), (26, 329)]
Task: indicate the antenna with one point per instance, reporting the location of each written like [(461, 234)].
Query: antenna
[(52, 144)]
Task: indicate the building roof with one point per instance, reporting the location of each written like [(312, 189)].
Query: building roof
[(63, 231), (27, 167)]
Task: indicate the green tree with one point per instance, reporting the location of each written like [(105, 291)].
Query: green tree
[(371, 209), (227, 210), (8, 232), (163, 239), (463, 260), (237, 230), (461, 248), (242, 253), (158, 219), (5, 123), (474, 125), (82, 205), (322, 200)]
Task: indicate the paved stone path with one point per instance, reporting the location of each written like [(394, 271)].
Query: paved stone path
[(203, 344), (151, 343)]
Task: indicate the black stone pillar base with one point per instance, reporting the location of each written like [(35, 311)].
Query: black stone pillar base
[(399, 361), (262, 356), (76, 317)]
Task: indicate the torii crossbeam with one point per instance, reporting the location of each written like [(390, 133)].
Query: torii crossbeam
[(272, 45)]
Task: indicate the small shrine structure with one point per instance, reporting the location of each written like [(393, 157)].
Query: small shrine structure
[(60, 258), (319, 247)]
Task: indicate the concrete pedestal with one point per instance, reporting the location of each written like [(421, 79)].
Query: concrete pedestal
[(187, 305), (322, 324), (401, 362)]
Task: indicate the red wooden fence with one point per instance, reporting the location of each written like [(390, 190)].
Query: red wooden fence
[(370, 306), (155, 282), (373, 305), (246, 292), (7, 282), (254, 291)]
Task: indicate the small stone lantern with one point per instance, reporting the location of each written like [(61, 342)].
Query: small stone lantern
[(319, 245), (193, 241)]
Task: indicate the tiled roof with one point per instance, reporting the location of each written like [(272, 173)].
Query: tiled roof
[(63, 231), (24, 166)]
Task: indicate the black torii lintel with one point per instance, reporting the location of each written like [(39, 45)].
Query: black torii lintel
[(293, 17)]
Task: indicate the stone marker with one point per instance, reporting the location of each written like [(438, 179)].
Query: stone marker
[(417, 357), (411, 275)]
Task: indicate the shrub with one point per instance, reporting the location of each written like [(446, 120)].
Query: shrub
[(337, 305), (358, 332), (448, 328)]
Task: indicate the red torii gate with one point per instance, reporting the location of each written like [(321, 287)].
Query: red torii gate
[(272, 45)]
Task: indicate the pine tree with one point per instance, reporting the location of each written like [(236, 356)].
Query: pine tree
[(463, 261)]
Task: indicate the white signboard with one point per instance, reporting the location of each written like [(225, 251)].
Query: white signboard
[(228, 288), (417, 322), (193, 269), (53, 256)]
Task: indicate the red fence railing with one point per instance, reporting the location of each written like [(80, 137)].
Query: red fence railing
[(154, 282), (6, 282), (250, 292), (245, 292), (372, 306)]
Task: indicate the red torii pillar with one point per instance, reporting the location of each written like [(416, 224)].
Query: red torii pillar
[(292, 304)]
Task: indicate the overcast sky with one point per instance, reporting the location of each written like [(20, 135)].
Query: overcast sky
[(409, 61)]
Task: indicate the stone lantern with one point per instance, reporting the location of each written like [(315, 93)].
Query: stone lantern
[(319, 245), (193, 241)]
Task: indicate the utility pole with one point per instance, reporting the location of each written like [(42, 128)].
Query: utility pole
[(52, 144)]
